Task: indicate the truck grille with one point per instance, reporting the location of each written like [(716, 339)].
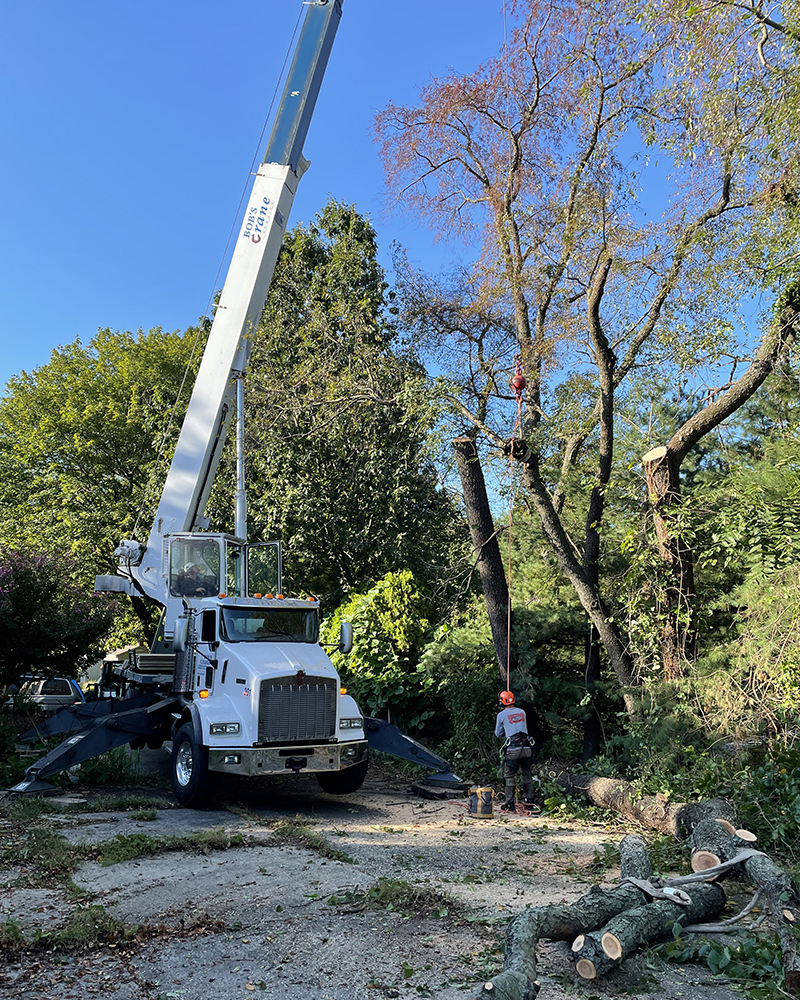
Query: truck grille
[(289, 712)]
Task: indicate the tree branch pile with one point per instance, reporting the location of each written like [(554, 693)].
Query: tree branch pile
[(608, 924)]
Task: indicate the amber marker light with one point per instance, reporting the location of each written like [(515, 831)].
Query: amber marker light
[(204, 692), (342, 690), (280, 597), (223, 595), (256, 595), (268, 596)]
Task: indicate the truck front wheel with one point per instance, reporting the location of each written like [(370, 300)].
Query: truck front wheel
[(343, 782), (193, 785)]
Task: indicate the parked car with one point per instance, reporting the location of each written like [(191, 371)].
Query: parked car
[(51, 693)]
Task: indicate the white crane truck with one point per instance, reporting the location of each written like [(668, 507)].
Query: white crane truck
[(236, 677)]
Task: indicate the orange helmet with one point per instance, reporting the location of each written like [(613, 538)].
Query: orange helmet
[(506, 697)]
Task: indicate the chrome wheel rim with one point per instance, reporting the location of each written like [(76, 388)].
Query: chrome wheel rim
[(183, 764)]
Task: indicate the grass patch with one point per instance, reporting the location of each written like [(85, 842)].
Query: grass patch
[(299, 833), (146, 815), (397, 895), (141, 845), (40, 849), (11, 938), (87, 927), (25, 809)]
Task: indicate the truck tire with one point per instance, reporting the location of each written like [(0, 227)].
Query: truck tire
[(343, 782), (193, 785)]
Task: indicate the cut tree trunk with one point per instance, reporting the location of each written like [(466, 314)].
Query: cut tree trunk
[(709, 823), (606, 948), (678, 634), (487, 551), (652, 811), (714, 841), (564, 922)]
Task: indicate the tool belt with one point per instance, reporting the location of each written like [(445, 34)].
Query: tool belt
[(519, 747)]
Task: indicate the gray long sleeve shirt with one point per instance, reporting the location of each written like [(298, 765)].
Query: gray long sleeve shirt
[(510, 722)]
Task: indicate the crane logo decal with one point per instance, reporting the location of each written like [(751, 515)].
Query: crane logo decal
[(257, 219)]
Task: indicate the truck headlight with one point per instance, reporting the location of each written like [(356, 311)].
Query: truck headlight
[(224, 728), (357, 723)]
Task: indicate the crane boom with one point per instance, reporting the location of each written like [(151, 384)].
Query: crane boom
[(212, 404)]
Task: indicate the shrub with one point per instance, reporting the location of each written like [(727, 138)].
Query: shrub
[(382, 673)]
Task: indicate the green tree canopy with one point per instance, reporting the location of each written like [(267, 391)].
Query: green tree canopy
[(79, 440), (338, 419), (48, 625)]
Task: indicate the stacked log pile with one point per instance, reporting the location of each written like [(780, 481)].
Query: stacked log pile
[(606, 925)]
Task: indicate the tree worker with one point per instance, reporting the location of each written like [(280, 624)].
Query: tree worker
[(518, 751)]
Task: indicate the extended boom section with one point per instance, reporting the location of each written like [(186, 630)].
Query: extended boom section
[(236, 677)]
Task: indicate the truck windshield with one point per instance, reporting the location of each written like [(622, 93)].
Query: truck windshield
[(269, 625)]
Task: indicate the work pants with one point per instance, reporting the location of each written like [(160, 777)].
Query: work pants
[(511, 768)]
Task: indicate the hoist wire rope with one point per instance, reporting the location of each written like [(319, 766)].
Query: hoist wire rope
[(210, 299), (517, 423)]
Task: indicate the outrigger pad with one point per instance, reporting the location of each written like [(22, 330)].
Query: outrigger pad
[(33, 786), (444, 779)]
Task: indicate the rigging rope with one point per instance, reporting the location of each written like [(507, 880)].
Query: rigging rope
[(196, 339), (518, 383)]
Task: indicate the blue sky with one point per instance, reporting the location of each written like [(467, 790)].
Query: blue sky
[(128, 133)]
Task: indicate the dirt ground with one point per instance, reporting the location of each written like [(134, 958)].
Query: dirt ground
[(274, 920)]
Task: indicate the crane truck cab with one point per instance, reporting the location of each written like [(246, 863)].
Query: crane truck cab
[(256, 693)]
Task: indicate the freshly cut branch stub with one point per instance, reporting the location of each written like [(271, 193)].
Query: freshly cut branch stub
[(703, 860)]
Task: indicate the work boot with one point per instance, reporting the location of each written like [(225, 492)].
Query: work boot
[(508, 805)]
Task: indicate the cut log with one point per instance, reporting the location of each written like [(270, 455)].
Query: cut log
[(677, 818), (565, 922), (605, 949), (634, 858), (783, 897), (611, 945), (712, 844)]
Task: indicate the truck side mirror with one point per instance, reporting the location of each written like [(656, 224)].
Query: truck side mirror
[(346, 638), (208, 626), (181, 635)]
